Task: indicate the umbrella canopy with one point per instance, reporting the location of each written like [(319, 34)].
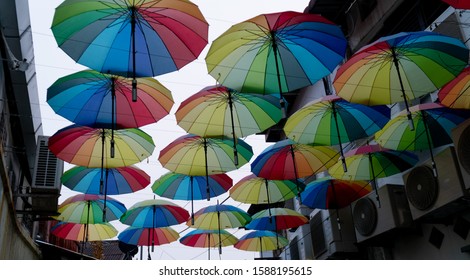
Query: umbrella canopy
[(288, 160), (400, 67), (276, 53), (204, 238), (329, 193), (331, 121), (185, 187), (456, 93), (92, 147), (199, 156), (144, 38), (90, 209), (84, 232), (218, 110), (256, 190), (433, 123), (261, 240), (110, 181), (92, 99), (145, 236), (276, 219), (220, 216), (202, 156), (370, 162), (154, 213), (459, 4)]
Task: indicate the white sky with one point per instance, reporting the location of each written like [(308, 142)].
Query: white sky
[(52, 63)]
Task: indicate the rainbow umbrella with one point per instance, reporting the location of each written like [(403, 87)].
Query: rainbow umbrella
[(148, 236), (400, 67), (90, 209), (131, 38), (455, 94), (433, 123), (218, 217), (185, 187), (261, 240), (206, 238), (331, 121), (154, 213), (217, 110), (330, 193), (276, 219), (370, 162), (458, 4), (92, 99), (203, 156), (288, 160), (87, 232), (255, 190), (84, 232), (276, 53), (101, 148), (110, 181)]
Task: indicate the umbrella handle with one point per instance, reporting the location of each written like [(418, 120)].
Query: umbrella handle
[(397, 67)]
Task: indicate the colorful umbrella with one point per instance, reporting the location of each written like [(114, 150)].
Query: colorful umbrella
[(276, 219), (400, 67), (92, 99), (205, 238), (330, 121), (459, 4), (256, 190), (370, 162), (288, 160), (203, 156), (329, 193), (154, 213), (148, 236), (185, 187), (90, 209), (219, 217), (101, 148), (455, 94), (215, 111), (261, 240), (433, 123), (276, 53), (86, 232), (110, 181), (144, 38)]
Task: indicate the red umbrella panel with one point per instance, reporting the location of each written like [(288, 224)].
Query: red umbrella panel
[(459, 4)]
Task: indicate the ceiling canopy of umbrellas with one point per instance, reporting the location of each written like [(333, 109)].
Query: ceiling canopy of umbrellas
[(255, 62)]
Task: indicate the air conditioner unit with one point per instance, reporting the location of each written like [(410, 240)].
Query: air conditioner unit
[(461, 138), (436, 197), (373, 217), (332, 237), (46, 185)]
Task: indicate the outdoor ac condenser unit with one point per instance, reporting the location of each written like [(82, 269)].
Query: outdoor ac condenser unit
[(435, 197), (372, 217), (332, 233), (46, 185)]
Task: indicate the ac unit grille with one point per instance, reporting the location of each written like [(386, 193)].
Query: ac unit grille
[(318, 235), (365, 216), (463, 150), (421, 187), (46, 167)]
